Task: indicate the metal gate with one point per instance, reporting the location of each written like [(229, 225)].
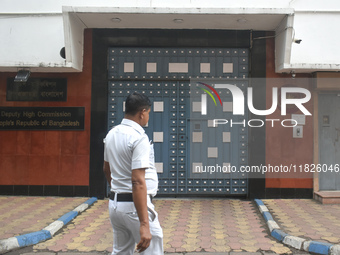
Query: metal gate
[(329, 141), (164, 74)]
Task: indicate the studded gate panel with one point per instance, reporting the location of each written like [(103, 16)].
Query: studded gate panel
[(163, 74)]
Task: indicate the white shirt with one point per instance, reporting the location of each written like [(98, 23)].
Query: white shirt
[(127, 147)]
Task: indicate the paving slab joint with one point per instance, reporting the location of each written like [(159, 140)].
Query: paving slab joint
[(278, 234), (272, 225), (293, 241), (335, 250), (46, 233)]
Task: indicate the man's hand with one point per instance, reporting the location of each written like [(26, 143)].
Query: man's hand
[(139, 194), (107, 172), (145, 238)]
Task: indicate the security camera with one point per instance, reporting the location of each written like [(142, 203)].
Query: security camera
[(298, 41), (62, 53)]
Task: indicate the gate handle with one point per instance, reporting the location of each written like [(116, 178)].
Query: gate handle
[(337, 134)]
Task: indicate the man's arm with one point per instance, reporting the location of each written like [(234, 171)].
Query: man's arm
[(139, 194), (107, 172)]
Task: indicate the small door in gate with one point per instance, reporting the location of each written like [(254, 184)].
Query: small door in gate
[(329, 141)]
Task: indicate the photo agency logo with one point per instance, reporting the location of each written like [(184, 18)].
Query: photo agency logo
[(283, 98), (204, 97), (223, 111)]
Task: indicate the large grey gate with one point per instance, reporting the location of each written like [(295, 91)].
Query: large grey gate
[(164, 75)]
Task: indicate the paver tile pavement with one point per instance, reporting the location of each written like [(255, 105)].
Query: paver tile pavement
[(189, 225), (22, 215), (307, 218)]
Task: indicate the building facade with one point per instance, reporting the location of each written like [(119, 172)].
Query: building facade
[(83, 58)]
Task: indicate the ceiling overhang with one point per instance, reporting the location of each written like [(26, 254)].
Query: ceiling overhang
[(76, 19), (180, 18)]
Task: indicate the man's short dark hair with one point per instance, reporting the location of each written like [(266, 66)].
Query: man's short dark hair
[(136, 102)]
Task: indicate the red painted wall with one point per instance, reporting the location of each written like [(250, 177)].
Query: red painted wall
[(50, 157), (281, 147), (62, 157)]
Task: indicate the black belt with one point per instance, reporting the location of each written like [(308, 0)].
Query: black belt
[(123, 197)]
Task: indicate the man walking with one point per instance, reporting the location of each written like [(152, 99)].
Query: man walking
[(130, 169)]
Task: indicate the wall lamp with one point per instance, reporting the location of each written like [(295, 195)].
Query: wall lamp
[(178, 21), (293, 74), (22, 76), (116, 20)]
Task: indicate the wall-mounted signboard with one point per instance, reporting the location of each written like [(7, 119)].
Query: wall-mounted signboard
[(37, 89), (42, 118)]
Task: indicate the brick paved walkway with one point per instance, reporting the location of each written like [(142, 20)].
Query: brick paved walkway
[(307, 218), (22, 215), (189, 225)]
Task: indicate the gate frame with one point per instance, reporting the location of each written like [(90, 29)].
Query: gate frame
[(105, 38)]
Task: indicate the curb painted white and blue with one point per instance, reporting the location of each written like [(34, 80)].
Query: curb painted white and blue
[(294, 241), (46, 233)]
